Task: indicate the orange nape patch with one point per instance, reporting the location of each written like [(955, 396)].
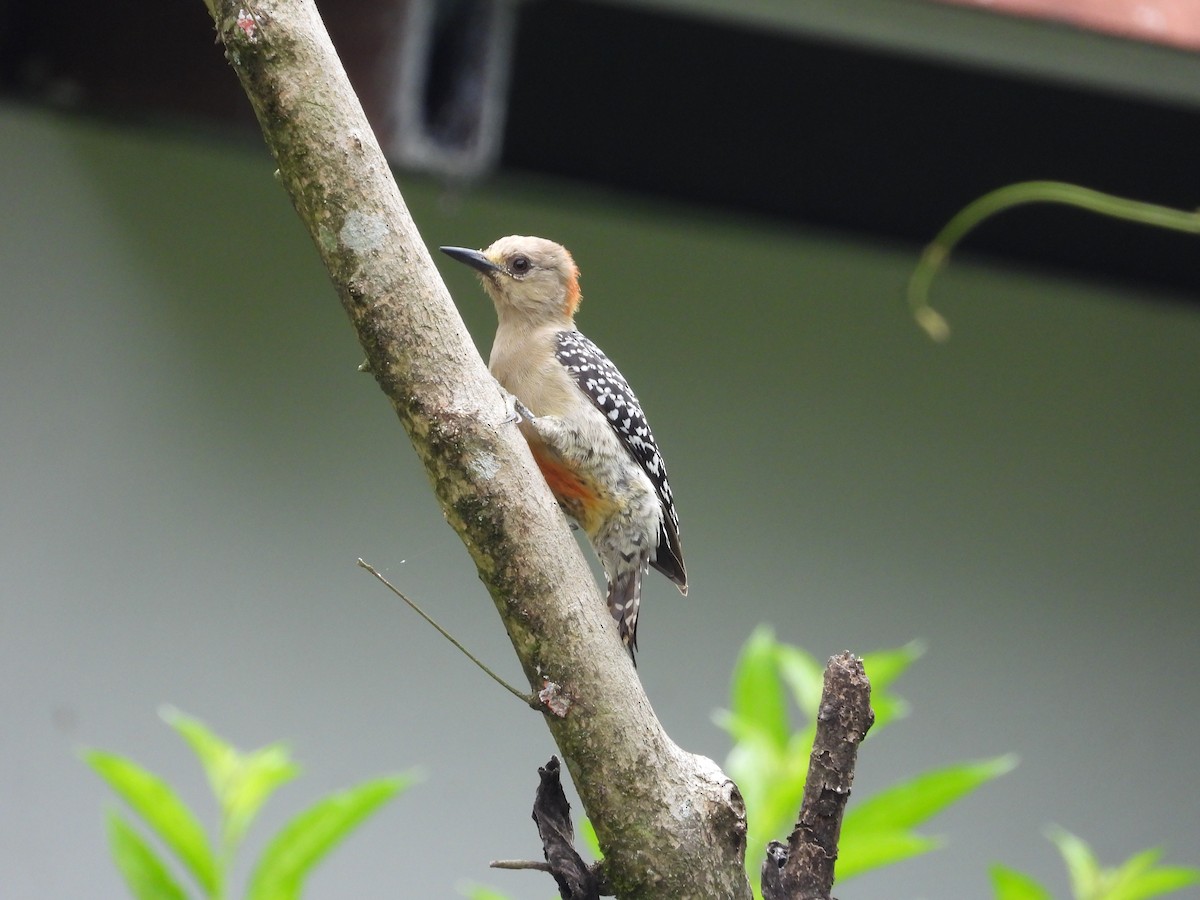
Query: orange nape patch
[(577, 495), (573, 296)]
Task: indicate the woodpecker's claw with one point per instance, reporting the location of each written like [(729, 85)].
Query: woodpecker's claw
[(510, 404), (517, 411), (522, 410)]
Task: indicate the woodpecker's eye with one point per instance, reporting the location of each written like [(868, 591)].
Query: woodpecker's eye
[(520, 265)]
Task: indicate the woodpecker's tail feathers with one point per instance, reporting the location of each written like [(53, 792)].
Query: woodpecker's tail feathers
[(668, 556), (624, 601)]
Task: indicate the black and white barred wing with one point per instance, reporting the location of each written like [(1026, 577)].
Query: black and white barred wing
[(608, 390)]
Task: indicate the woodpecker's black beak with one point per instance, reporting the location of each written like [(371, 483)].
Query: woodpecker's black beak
[(472, 258)]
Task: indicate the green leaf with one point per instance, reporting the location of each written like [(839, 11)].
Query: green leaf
[(145, 873), (862, 852), (883, 668), (1082, 865), (167, 815), (305, 840), (804, 675), (1138, 880), (771, 811), (219, 758), (752, 761), (480, 892), (263, 771), (1009, 884), (917, 800), (241, 782), (1156, 882), (1130, 870), (1135, 879), (757, 695), (587, 832), (888, 708), (756, 767)]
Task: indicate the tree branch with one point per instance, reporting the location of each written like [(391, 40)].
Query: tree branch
[(671, 824), (552, 815), (803, 868)]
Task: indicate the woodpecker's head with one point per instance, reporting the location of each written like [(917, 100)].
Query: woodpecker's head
[(526, 277)]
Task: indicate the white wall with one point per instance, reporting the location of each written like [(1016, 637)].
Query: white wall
[(189, 466)]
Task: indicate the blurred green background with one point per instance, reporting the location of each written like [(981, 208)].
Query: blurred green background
[(191, 466)]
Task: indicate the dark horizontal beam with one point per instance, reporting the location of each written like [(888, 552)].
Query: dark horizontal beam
[(836, 136)]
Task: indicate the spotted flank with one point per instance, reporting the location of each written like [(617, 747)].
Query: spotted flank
[(608, 390)]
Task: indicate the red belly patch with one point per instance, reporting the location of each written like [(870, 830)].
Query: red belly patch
[(576, 494)]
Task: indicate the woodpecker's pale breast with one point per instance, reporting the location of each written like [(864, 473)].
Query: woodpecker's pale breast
[(525, 365)]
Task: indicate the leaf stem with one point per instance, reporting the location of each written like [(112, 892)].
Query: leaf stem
[(937, 252)]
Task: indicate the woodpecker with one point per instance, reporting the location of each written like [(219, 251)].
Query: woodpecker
[(582, 421)]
